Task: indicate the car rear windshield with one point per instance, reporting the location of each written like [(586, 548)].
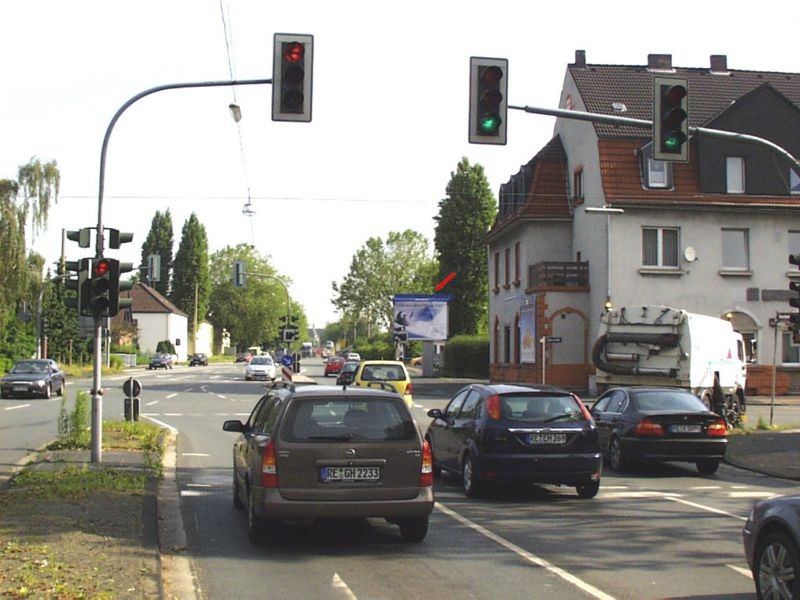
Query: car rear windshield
[(261, 360), (658, 400), (347, 419), (383, 373), (542, 408)]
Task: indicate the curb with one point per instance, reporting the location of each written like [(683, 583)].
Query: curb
[(177, 575)]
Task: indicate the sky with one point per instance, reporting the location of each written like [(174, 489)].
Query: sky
[(390, 109)]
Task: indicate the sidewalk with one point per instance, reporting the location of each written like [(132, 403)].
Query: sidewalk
[(775, 453)]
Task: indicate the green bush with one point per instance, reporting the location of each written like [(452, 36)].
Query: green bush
[(467, 356), (166, 347), (73, 427)]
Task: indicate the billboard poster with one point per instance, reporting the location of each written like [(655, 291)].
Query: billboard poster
[(421, 316), (527, 333)]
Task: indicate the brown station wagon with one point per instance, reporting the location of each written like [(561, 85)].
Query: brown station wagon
[(330, 452)]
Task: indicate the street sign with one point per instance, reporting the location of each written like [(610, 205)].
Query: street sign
[(131, 387), (287, 360), (552, 339)]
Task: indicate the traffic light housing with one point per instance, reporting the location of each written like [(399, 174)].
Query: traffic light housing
[(100, 288), (238, 273), (794, 301), (670, 119), (488, 100), (116, 286), (116, 237), (82, 236), (79, 284), (293, 59)]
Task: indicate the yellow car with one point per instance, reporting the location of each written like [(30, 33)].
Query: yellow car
[(374, 373)]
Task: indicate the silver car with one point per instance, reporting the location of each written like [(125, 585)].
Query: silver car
[(260, 367), (330, 452), (772, 546)]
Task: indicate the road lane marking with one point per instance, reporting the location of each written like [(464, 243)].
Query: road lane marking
[(194, 454), (741, 571), (221, 396), (172, 430), (338, 584), (521, 552), (152, 402), (706, 508), (642, 494), (172, 395), (173, 414), (17, 406), (706, 487), (751, 494)]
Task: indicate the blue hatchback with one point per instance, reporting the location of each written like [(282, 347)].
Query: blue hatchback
[(504, 433)]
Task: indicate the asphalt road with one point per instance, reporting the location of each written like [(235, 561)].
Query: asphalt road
[(662, 532)]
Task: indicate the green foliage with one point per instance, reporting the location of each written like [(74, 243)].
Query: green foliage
[(190, 272), (73, 427), (464, 219), (381, 348), (165, 347), (467, 356), (159, 242)]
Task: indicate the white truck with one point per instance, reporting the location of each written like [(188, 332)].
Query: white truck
[(669, 347)]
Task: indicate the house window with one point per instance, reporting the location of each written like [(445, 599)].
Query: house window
[(577, 185), (734, 168), (736, 249), (660, 247), (496, 272), (516, 265), (508, 268), (657, 173), (794, 245), (794, 182), (791, 351)]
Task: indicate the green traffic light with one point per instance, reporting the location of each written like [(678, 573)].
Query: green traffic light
[(489, 123)]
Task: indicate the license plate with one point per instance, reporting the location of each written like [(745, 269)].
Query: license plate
[(681, 428), (546, 438), (19, 388), (349, 474)]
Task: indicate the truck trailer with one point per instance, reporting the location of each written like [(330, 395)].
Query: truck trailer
[(662, 346)]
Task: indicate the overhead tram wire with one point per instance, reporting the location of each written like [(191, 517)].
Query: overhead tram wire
[(247, 209)]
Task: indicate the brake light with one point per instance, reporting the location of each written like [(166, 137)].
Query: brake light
[(493, 407), (717, 428), (426, 473), (269, 471), (409, 388), (646, 427)]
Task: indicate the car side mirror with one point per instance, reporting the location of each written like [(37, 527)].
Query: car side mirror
[(234, 425), (436, 413)]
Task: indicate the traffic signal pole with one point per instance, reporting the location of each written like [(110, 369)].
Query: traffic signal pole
[(719, 134), (97, 390)]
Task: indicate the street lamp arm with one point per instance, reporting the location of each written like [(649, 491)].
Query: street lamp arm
[(118, 114)]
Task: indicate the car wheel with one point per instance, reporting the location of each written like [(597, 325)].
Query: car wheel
[(413, 529), (254, 524), (60, 390), (588, 490), (48, 390), (237, 500), (470, 479), (776, 567), (616, 457), (708, 466)]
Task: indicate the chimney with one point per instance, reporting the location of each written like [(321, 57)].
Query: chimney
[(661, 62), (580, 59), (719, 63)]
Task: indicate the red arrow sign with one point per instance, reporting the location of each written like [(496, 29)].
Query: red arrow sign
[(444, 281)]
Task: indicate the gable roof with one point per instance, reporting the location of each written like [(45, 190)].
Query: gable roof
[(539, 190), (148, 300), (710, 92)]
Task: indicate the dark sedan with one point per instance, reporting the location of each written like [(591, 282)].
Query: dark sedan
[(659, 424), (491, 434), (160, 361), (772, 546), (199, 359), (347, 373), (32, 378)]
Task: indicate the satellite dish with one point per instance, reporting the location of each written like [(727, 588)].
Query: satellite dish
[(690, 254)]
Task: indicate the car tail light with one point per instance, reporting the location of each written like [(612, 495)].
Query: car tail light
[(647, 427), (269, 471), (717, 428), (426, 473), (409, 389), (493, 407)]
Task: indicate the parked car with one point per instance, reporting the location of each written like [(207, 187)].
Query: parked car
[(198, 359), (347, 373), (771, 538), (31, 378), (332, 452), (260, 367), (373, 373), (490, 434), (333, 365), (659, 424), (354, 356), (160, 361)]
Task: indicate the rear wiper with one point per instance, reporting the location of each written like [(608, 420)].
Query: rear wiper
[(332, 438), (570, 416)]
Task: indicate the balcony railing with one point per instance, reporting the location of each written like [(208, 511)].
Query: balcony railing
[(558, 274)]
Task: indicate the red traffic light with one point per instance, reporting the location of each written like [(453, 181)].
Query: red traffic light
[(101, 267), (293, 52)]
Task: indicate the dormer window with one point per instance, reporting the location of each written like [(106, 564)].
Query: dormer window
[(734, 170), (657, 173), (794, 182)]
